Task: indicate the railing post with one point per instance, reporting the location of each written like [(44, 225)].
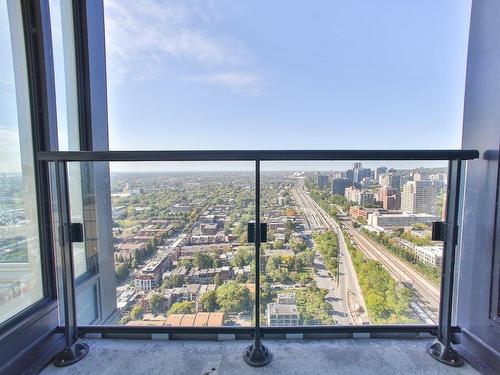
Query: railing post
[(441, 349), (73, 350), (257, 354)]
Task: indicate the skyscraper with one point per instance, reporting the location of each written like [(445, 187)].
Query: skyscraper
[(322, 181), (419, 197), (359, 172), (390, 198), (379, 171), (339, 185)]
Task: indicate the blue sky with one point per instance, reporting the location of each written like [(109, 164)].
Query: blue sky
[(286, 75), (200, 74)]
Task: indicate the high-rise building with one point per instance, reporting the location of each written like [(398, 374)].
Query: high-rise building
[(339, 185), (392, 202), (391, 180), (360, 173), (419, 197), (348, 174), (365, 197), (362, 197), (390, 198), (322, 181), (379, 171), (419, 175), (366, 182)]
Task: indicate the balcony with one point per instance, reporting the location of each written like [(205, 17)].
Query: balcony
[(345, 356), (220, 261), (319, 280)]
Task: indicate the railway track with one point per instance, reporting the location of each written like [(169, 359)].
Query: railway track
[(318, 219), (425, 294)]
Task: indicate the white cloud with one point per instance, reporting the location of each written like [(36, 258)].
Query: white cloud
[(236, 81), (146, 38), (10, 160)]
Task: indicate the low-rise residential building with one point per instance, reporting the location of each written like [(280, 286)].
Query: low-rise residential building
[(358, 212), (180, 208), (206, 275), (390, 220), (201, 319), (151, 274), (284, 313), (431, 255)]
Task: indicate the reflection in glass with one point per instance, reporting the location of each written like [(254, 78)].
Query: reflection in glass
[(21, 282)]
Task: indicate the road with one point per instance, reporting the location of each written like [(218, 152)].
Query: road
[(346, 299)]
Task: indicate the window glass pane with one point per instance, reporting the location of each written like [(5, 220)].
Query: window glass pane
[(61, 18), (172, 244), (21, 281), (285, 75), (350, 243)]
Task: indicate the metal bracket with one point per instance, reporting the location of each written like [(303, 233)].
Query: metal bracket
[(438, 231), (444, 354), (71, 354), (251, 232), (257, 355), (75, 232)]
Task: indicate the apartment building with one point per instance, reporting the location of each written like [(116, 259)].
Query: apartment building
[(419, 197)]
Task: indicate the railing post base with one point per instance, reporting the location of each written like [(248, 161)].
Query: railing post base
[(444, 354), (257, 355), (71, 354)]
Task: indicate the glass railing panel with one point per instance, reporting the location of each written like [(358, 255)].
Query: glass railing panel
[(350, 243), (165, 243)]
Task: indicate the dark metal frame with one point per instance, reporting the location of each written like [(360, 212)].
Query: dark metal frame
[(73, 350), (441, 349), (262, 155), (257, 354), (37, 36), (495, 269)]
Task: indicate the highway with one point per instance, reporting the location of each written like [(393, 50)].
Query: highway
[(345, 298)]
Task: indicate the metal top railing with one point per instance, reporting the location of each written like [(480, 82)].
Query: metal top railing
[(263, 155)]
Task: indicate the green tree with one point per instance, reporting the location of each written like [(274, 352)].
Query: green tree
[(124, 320), (121, 272), (209, 301), (266, 294), (243, 257), (273, 263), (217, 280), (137, 312), (186, 263), (202, 260), (233, 297), (185, 307), (173, 281), (156, 302), (278, 244)]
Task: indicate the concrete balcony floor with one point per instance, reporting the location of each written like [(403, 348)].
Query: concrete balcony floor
[(342, 356)]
